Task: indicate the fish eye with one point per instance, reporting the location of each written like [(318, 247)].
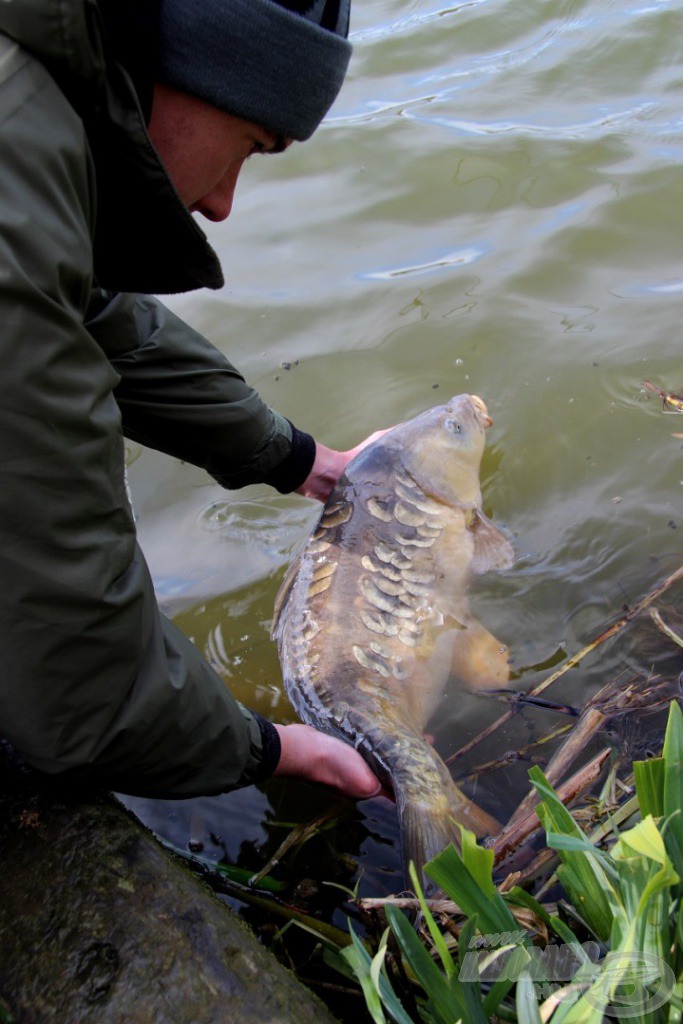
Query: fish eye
[(451, 425)]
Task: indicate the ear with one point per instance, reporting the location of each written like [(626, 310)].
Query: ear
[(493, 552)]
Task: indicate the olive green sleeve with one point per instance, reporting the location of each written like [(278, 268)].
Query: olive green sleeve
[(181, 395), (95, 682)]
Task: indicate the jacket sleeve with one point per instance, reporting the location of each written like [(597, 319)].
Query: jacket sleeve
[(95, 683), (179, 394)]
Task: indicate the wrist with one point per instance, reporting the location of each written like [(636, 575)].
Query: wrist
[(297, 466), (328, 466)]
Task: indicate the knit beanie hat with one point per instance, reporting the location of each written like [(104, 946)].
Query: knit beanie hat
[(278, 63)]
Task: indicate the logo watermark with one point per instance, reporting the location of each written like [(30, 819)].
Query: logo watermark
[(620, 984)]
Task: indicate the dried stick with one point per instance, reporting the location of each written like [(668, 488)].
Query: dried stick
[(297, 837), (587, 726), (642, 696), (408, 903), (608, 701), (666, 630), (514, 835), (516, 755)]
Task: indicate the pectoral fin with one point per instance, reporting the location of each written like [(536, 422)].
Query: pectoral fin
[(492, 549), (479, 660)]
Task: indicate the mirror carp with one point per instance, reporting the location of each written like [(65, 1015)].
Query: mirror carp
[(372, 619)]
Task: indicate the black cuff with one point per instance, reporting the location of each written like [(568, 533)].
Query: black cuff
[(291, 473), (270, 748)]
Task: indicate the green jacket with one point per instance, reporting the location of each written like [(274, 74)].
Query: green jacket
[(95, 683)]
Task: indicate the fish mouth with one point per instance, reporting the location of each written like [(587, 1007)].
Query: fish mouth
[(480, 411), (471, 406)]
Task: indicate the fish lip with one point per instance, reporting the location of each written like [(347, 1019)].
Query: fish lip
[(477, 407), (480, 411)]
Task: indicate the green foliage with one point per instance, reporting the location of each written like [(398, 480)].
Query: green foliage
[(586, 875), (466, 879), (621, 960)]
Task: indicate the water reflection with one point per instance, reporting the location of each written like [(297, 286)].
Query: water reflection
[(245, 831)]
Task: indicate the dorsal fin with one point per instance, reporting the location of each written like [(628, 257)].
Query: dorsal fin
[(284, 592)]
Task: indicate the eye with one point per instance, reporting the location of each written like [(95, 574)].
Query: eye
[(451, 425)]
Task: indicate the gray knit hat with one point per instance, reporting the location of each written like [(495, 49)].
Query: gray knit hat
[(279, 63)]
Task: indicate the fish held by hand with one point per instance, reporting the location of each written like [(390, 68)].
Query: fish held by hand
[(372, 619)]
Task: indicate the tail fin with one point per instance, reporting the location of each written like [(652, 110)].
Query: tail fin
[(423, 836), (430, 820)]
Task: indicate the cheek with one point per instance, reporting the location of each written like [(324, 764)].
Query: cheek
[(197, 175), (214, 169)]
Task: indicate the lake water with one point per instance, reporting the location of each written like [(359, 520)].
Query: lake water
[(495, 204)]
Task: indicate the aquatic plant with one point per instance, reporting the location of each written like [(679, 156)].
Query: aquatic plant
[(609, 948)]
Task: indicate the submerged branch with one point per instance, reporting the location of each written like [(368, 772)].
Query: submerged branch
[(513, 756), (296, 838)]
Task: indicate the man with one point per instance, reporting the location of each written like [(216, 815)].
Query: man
[(95, 216)]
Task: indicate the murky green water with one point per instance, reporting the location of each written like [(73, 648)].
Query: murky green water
[(495, 205)]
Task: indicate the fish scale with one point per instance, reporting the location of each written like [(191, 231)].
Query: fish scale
[(372, 619)]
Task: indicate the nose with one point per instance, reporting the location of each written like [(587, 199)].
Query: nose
[(217, 204)]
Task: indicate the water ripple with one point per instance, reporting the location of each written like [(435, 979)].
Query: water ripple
[(602, 122), (408, 23), (458, 257)]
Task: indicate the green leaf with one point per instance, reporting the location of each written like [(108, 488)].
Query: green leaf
[(378, 960), (373, 980), (583, 1011), (676, 1004), (443, 998), (643, 839), (583, 875), (452, 875), (646, 876), (580, 844), (358, 958), (527, 1004), (495, 996), (383, 985), (520, 898), (391, 1001), (434, 931), (650, 785), (478, 861), (475, 1012), (672, 755), (339, 963)]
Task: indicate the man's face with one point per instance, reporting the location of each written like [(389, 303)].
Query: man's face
[(203, 149)]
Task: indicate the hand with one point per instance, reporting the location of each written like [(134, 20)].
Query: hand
[(329, 466), (316, 757)]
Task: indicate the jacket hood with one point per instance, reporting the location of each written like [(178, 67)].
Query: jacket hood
[(102, 56), (66, 34)]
